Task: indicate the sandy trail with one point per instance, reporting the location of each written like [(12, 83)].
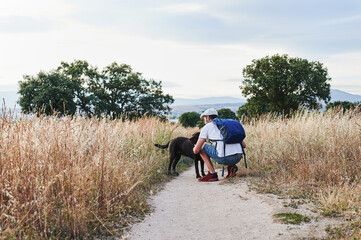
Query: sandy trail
[(188, 209)]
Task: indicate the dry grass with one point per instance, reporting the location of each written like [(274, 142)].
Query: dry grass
[(77, 177), (311, 155)]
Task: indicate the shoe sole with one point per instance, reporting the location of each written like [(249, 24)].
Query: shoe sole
[(209, 180)]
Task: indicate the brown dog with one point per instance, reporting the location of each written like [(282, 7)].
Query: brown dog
[(182, 146)]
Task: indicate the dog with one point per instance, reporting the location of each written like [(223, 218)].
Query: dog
[(183, 146)]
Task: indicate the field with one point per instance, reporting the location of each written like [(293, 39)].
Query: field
[(77, 177), (311, 156)]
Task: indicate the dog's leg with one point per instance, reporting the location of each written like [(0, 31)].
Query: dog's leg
[(202, 167), (196, 167), (172, 157), (175, 162)]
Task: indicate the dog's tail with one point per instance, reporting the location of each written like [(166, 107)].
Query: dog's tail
[(162, 146)]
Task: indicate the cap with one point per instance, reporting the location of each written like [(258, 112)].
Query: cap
[(209, 112)]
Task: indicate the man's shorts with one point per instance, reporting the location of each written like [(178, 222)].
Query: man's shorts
[(211, 151)]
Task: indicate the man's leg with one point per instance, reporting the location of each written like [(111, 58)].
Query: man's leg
[(212, 175), (207, 161)]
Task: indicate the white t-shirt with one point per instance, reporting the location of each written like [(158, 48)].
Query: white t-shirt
[(210, 131)]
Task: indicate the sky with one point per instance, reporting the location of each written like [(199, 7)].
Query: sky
[(196, 48)]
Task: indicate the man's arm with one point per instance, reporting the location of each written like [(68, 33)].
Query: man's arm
[(199, 145)]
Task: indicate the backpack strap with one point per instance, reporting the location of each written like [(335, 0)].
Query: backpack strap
[(244, 156), (215, 121), (224, 145)]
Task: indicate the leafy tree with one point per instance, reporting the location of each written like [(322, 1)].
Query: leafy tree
[(345, 105), (226, 113), (189, 119), (47, 92), (116, 91), (282, 84), (200, 123), (120, 92), (250, 110), (82, 75)]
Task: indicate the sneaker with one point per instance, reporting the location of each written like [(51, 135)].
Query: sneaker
[(232, 171), (209, 178)]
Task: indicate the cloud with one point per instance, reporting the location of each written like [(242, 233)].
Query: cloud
[(343, 20), (344, 71), (358, 86), (33, 16), (24, 24), (190, 45), (167, 84), (238, 80), (287, 24), (181, 8), (36, 8)]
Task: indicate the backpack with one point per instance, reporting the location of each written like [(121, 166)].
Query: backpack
[(232, 132)]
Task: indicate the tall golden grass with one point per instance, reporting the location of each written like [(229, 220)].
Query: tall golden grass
[(313, 155), (75, 177)]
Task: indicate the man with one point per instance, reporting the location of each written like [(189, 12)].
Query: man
[(233, 152)]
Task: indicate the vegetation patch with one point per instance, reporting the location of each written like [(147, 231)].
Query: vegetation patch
[(291, 218), (310, 157), (344, 231), (74, 177), (291, 204)]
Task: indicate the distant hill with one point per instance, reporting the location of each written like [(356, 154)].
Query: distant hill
[(178, 110), (208, 100), (182, 105), (338, 95)]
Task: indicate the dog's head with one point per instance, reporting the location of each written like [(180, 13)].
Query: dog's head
[(194, 138)]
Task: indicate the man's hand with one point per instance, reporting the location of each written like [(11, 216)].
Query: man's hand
[(199, 145)]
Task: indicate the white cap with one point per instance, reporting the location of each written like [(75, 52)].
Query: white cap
[(208, 112)]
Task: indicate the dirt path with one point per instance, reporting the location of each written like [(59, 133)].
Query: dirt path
[(188, 209)]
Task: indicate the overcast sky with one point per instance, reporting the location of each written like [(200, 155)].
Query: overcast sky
[(196, 48)]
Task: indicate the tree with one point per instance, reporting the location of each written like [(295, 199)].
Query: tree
[(251, 110), (116, 91), (226, 113), (189, 119), (48, 93), (121, 92), (282, 84), (200, 123), (82, 75), (344, 105)]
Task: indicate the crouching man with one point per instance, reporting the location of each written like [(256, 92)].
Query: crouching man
[(216, 149)]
